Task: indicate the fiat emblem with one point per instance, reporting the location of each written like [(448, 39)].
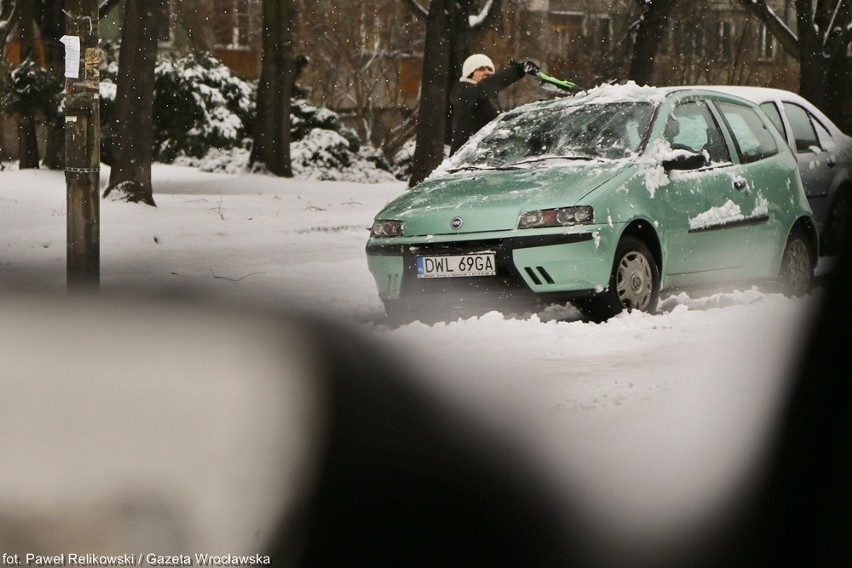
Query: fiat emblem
[(456, 223)]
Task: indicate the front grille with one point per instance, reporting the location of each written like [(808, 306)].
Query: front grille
[(461, 247)]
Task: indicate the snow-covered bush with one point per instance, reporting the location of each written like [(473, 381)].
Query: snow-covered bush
[(404, 160), (323, 148), (32, 91), (199, 105), (328, 155), (203, 117)]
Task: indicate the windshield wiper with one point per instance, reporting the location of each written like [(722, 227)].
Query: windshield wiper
[(517, 165), (474, 168), (554, 157)]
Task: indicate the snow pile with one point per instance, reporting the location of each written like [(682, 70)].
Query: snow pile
[(627, 92)]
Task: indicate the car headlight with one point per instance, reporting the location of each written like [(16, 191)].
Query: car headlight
[(559, 217), (384, 229)]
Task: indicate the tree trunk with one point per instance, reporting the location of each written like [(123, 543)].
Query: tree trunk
[(132, 150), (54, 55), (823, 66), (649, 34), (27, 142), (271, 145), (460, 39), (431, 129)]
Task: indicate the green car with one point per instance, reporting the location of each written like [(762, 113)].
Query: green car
[(603, 200)]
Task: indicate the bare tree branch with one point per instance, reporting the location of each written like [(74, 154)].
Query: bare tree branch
[(777, 26), (106, 7), (418, 10)]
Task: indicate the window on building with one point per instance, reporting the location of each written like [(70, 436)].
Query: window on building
[(688, 38), (165, 28), (724, 39), (560, 5), (599, 31), (231, 28), (566, 32), (766, 47)]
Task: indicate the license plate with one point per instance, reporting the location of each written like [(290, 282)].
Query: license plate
[(454, 266)]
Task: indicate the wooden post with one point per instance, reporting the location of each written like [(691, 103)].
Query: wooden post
[(82, 149)]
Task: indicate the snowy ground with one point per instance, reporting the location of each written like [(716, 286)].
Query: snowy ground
[(654, 415)]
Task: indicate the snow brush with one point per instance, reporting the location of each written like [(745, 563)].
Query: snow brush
[(567, 85)]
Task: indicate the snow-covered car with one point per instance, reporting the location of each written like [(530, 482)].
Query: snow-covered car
[(823, 151), (602, 199)]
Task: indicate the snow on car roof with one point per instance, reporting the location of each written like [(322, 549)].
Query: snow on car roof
[(628, 92)]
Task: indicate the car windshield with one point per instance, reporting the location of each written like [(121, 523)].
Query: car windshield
[(593, 131)]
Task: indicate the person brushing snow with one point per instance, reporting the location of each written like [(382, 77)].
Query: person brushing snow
[(474, 97)]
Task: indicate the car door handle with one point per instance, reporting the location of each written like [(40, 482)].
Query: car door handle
[(740, 184)]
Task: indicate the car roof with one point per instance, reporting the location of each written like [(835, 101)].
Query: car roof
[(766, 94), (631, 92), (756, 94)]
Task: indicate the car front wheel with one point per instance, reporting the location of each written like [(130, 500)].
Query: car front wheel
[(634, 283)]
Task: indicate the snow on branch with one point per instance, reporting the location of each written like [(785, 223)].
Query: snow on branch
[(478, 20)]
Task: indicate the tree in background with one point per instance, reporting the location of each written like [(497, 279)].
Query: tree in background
[(449, 24), (51, 24), (275, 88), (22, 14), (648, 35), (130, 177), (824, 31)]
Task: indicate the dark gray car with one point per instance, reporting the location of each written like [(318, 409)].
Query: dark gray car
[(824, 154)]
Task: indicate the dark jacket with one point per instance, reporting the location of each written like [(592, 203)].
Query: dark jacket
[(475, 104)]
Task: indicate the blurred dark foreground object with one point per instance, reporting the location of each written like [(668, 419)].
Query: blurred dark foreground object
[(148, 403), (802, 513), (180, 426)]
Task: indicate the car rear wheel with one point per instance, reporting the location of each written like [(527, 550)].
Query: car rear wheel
[(633, 285), (797, 265)]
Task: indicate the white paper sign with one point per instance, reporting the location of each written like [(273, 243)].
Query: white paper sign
[(72, 56)]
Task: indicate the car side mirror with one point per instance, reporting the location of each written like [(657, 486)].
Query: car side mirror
[(685, 161)]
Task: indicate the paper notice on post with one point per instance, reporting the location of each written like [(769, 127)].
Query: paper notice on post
[(72, 56)]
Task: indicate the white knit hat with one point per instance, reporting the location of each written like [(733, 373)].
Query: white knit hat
[(474, 62)]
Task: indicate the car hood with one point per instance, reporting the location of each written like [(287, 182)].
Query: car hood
[(492, 200)]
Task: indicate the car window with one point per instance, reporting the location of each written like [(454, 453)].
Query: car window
[(774, 115), (692, 127), (826, 140), (751, 134), (803, 129)]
